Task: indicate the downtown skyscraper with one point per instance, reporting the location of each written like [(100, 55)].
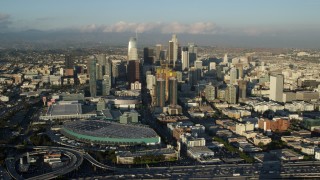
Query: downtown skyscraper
[(132, 49), (173, 91), (173, 50), (93, 76), (160, 92)]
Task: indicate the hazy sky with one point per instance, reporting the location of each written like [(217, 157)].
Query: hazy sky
[(237, 17)]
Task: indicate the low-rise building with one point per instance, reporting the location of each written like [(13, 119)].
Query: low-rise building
[(127, 157), (199, 151), (287, 155), (129, 117), (317, 154), (290, 138), (52, 158), (313, 140), (299, 106), (261, 139), (311, 124), (309, 149), (302, 133), (276, 124), (307, 95), (241, 128), (248, 147), (191, 141)]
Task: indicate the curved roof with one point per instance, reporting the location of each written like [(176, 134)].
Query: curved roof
[(99, 128)]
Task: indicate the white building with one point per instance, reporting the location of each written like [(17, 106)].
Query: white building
[(4, 98), (132, 49), (299, 106), (276, 87), (261, 139), (241, 128), (212, 65), (136, 86), (233, 75), (198, 64), (185, 59), (151, 81), (317, 154), (191, 141), (225, 59), (309, 150)]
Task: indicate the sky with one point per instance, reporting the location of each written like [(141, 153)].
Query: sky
[(252, 18)]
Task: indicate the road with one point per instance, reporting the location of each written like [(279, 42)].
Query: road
[(303, 169), (75, 156), (97, 163)]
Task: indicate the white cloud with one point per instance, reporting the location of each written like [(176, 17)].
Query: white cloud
[(183, 28), (174, 27)]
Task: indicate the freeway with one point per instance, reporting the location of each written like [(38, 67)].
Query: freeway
[(252, 171), (97, 163), (76, 159), (302, 169)]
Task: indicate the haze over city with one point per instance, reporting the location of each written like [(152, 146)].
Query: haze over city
[(286, 24), (124, 89)]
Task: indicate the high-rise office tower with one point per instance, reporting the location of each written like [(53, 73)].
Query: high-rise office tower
[(160, 92), (165, 73), (105, 66), (233, 75), (163, 55), (69, 62), (69, 66), (210, 92), (133, 71), (194, 76), (225, 59), (193, 50), (173, 50), (242, 89), (99, 71), (157, 52), (173, 91), (148, 56), (239, 67), (231, 94), (220, 72), (185, 58), (276, 87), (132, 49), (106, 85), (170, 53), (92, 76)]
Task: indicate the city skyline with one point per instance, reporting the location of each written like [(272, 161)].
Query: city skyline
[(249, 23)]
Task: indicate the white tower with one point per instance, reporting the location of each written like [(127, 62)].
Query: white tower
[(233, 75), (173, 50), (185, 59), (276, 87), (132, 49), (225, 59)]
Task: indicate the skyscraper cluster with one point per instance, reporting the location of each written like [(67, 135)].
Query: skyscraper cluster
[(100, 75)]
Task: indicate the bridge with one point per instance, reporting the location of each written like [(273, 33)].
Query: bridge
[(97, 163)]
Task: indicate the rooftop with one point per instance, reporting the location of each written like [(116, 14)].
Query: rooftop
[(99, 128), (64, 109)]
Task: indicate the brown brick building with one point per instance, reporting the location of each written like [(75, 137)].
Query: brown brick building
[(276, 124)]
